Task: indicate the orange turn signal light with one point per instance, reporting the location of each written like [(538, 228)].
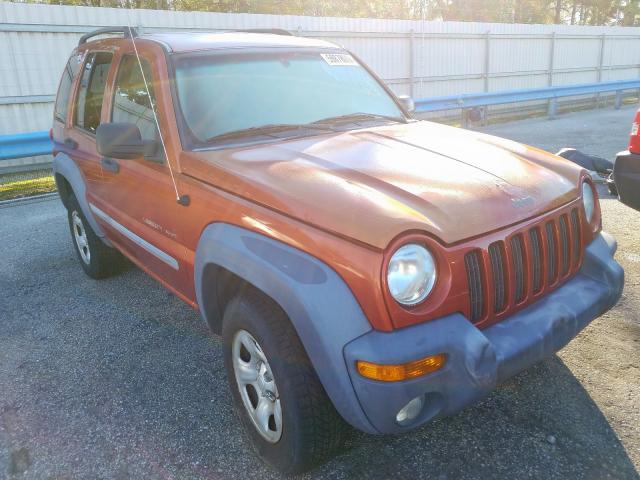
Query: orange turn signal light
[(405, 371)]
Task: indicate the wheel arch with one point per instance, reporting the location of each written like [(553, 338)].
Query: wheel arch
[(64, 189), (222, 285), (316, 300), (69, 180)]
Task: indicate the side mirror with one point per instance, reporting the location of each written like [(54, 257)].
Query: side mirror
[(123, 141), (407, 103)]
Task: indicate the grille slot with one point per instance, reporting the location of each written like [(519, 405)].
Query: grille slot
[(474, 277), (577, 240), (498, 274), (536, 260), (552, 249), (517, 261), (564, 245)]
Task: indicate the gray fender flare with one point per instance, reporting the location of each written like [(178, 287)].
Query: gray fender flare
[(65, 166), (319, 304)]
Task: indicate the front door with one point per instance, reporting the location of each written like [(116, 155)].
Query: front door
[(136, 199)]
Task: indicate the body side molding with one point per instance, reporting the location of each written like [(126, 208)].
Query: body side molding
[(141, 242)]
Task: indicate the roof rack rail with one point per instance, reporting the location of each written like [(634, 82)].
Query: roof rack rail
[(128, 32), (273, 31)]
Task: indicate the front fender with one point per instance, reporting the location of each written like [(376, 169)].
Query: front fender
[(319, 304)]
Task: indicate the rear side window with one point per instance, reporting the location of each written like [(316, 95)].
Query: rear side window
[(64, 90), (91, 92), (131, 103)]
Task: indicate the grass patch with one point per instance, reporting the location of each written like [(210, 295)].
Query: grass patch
[(18, 185)]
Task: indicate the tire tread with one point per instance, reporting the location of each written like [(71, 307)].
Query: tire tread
[(105, 261), (323, 431)]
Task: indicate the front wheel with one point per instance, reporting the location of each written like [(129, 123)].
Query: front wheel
[(290, 421)]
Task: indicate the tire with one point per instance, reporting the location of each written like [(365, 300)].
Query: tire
[(97, 259), (311, 430)]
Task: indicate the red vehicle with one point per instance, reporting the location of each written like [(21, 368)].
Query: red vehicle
[(363, 268), (626, 169)]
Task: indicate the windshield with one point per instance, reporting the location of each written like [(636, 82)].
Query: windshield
[(223, 93)]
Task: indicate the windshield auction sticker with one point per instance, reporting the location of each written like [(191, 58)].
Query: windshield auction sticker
[(339, 59)]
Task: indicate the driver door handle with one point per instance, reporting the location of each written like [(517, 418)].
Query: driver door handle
[(110, 164), (70, 143)]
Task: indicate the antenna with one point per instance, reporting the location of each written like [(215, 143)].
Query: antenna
[(181, 199)]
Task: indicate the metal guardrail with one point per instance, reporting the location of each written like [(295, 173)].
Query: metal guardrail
[(474, 100), (38, 143), (25, 145)]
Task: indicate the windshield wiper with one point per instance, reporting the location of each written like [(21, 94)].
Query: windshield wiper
[(266, 130), (354, 117), (323, 124)]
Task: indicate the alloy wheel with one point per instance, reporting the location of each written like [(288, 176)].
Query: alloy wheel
[(80, 236), (257, 386)]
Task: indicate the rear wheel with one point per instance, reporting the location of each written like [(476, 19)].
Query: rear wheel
[(97, 259), (290, 421)]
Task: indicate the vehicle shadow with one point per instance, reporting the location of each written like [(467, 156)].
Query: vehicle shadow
[(541, 424)]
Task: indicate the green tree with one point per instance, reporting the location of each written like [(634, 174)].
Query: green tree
[(579, 12)]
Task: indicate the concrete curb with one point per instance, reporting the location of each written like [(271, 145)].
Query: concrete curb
[(27, 200)]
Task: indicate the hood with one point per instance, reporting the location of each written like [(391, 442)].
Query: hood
[(372, 185)]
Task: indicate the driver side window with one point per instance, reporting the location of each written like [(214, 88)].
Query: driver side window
[(131, 102)]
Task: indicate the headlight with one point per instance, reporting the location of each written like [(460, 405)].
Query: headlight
[(411, 274), (588, 200)]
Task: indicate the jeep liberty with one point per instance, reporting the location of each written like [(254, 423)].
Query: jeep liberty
[(363, 268)]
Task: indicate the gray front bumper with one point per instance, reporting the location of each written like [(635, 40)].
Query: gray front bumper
[(480, 359)]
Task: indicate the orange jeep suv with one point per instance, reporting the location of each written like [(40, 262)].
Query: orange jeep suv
[(363, 268)]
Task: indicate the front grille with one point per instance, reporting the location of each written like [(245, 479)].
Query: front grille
[(517, 259), (564, 245), (474, 277), (498, 274), (577, 237), (552, 250), (536, 253), (513, 270)]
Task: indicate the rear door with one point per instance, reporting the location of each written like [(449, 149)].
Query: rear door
[(80, 140)]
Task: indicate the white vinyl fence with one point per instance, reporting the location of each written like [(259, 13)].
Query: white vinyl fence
[(424, 59)]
